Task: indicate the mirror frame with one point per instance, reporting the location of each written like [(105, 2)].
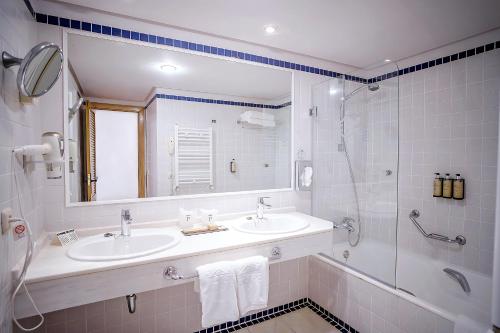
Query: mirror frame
[(9, 60), (67, 32), (27, 60)]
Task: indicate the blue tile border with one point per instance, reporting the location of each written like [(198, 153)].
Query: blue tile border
[(438, 61), (217, 101), (277, 311), (162, 40)]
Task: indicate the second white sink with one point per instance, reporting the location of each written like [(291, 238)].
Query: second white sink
[(142, 242), (271, 224)]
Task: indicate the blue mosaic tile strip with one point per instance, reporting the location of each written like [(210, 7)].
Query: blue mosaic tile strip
[(161, 40), (438, 61), (217, 101), (277, 311), (256, 318)]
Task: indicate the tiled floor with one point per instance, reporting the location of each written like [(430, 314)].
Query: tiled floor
[(300, 321)]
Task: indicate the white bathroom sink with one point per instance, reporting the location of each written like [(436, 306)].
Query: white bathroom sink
[(142, 242), (271, 224)]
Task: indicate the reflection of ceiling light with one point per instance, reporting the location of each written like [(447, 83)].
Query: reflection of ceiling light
[(270, 29), (387, 60), (333, 91), (168, 68)]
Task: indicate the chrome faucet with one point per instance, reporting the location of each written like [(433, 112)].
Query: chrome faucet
[(260, 207), (346, 224), (125, 223)]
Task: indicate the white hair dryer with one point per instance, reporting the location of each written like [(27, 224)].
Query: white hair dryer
[(52, 151)]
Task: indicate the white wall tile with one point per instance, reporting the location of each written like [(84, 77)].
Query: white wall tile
[(19, 125)]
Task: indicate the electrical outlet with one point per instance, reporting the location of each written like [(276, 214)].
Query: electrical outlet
[(6, 216)]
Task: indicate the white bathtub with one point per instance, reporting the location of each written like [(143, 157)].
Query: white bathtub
[(422, 276)]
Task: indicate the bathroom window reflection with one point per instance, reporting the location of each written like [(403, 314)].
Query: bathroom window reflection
[(151, 122)]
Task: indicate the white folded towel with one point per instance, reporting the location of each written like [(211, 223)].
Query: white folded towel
[(259, 119), (218, 297), (257, 115), (252, 275), (306, 176)]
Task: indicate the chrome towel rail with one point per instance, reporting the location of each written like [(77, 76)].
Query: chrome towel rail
[(414, 214), (171, 273)]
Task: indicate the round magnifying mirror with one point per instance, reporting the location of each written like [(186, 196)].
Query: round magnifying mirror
[(39, 70)]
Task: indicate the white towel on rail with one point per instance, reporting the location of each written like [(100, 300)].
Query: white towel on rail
[(252, 275), (218, 297)]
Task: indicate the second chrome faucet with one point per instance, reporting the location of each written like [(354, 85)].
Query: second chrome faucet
[(261, 205)]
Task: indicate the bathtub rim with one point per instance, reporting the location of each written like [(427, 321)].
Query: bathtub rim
[(413, 299)]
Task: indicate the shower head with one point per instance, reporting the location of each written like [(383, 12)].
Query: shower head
[(370, 86)]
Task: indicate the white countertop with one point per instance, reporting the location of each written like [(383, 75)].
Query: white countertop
[(52, 262)]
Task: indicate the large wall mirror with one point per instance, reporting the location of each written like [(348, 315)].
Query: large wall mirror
[(146, 121)]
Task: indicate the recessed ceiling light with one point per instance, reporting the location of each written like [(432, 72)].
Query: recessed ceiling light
[(168, 68), (270, 29)]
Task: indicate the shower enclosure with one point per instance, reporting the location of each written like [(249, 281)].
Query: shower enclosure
[(367, 191), (355, 153)]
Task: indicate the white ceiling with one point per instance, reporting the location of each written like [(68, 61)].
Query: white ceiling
[(124, 71), (354, 32)]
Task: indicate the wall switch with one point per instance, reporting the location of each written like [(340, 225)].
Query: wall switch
[(6, 216)]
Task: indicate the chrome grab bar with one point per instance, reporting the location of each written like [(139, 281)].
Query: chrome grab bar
[(414, 214), (459, 277)]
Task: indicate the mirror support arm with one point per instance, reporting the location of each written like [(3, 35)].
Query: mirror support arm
[(8, 60)]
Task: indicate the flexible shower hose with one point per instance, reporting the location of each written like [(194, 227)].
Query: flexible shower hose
[(352, 242), (27, 261)]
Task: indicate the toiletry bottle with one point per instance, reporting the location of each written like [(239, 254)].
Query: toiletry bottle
[(447, 186), (438, 186), (458, 187), (211, 222), (232, 166)]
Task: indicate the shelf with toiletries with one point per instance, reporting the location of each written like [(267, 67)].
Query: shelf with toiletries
[(449, 187)]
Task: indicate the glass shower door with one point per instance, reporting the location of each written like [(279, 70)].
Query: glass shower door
[(355, 156)]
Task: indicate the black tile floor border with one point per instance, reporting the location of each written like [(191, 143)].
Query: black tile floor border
[(277, 311), (338, 323)]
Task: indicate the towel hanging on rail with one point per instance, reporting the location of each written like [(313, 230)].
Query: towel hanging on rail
[(218, 295)]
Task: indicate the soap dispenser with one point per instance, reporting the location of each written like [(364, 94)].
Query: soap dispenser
[(438, 186), (458, 187), (232, 166), (447, 186)]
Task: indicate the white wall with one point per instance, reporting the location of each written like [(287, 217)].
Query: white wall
[(19, 125), (151, 151), (449, 123)]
